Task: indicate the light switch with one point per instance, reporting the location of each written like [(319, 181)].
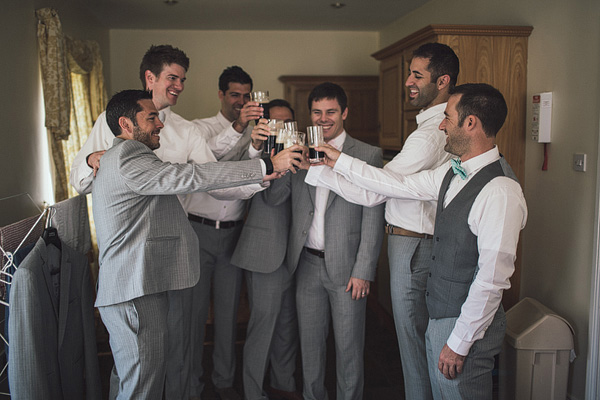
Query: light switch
[(579, 162)]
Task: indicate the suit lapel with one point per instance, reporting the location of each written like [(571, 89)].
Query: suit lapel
[(348, 148), (312, 191), (65, 283), (47, 278)]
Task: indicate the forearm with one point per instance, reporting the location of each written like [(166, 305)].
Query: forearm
[(238, 193), (224, 143), (384, 182), (325, 177)]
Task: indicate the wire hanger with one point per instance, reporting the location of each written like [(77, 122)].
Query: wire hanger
[(50, 234), (5, 276)]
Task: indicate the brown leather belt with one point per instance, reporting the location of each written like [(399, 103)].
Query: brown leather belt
[(318, 253), (214, 224), (396, 230)]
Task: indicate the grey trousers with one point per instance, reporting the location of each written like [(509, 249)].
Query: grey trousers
[(318, 301), (216, 248), (138, 340), (409, 267), (178, 354), (272, 334), (475, 382)]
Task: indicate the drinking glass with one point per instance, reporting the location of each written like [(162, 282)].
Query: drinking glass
[(315, 138), (274, 126), (261, 97)]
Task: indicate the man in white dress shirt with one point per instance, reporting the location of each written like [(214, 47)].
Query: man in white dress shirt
[(218, 224), (162, 71), (409, 223), (479, 217)]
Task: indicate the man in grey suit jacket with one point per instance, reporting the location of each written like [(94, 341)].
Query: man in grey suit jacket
[(146, 245), (272, 335), (335, 246)]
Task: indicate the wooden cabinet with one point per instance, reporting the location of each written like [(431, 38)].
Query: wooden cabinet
[(362, 120), (488, 54)]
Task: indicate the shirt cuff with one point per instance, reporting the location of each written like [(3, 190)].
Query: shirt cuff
[(253, 153), (312, 176), (263, 167), (343, 164), (458, 346)]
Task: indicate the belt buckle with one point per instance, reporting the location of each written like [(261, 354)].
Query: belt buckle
[(217, 224)]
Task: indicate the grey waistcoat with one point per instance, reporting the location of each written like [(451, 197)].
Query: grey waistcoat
[(454, 257)]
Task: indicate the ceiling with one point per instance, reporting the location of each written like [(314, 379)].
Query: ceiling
[(356, 15)]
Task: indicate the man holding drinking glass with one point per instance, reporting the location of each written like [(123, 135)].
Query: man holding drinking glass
[(218, 224), (333, 248), (272, 335)]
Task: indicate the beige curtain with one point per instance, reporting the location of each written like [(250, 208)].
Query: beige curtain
[(74, 97), (56, 86), (74, 93)]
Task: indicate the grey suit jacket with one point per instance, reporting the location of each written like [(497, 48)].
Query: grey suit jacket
[(263, 242), (353, 233), (53, 351), (146, 243)]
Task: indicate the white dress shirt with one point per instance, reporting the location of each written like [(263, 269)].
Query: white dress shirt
[(315, 239), (498, 214), (178, 138), (226, 204), (219, 133), (423, 150)]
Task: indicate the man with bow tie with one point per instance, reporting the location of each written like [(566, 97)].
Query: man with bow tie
[(480, 212)]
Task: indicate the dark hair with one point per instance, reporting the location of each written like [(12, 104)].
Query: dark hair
[(233, 74), (442, 61), (157, 57), (279, 103), (329, 91), (483, 101), (124, 104)]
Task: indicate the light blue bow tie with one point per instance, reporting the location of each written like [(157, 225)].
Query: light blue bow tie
[(458, 169)]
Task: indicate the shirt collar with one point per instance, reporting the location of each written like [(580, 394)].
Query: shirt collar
[(164, 114), (474, 164), (221, 118), (338, 142), (431, 112)]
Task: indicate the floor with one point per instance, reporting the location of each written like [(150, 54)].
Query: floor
[(383, 372)]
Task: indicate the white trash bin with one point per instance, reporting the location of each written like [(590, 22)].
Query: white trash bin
[(536, 353)]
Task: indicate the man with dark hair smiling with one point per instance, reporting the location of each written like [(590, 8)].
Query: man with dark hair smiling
[(480, 213), (432, 74), (218, 223), (142, 228), (333, 249)]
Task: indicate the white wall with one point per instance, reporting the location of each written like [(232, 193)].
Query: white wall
[(265, 55), (564, 57)]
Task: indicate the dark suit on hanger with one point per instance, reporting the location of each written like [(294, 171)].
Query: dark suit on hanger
[(53, 351)]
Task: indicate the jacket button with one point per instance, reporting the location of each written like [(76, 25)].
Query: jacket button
[(433, 257), (437, 239), (430, 274), (311, 213), (426, 293), (304, 232)]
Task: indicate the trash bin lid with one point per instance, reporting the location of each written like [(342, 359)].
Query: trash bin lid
[(533, 326)]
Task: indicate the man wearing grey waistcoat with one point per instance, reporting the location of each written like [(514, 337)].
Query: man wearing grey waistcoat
[(480, 213)]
